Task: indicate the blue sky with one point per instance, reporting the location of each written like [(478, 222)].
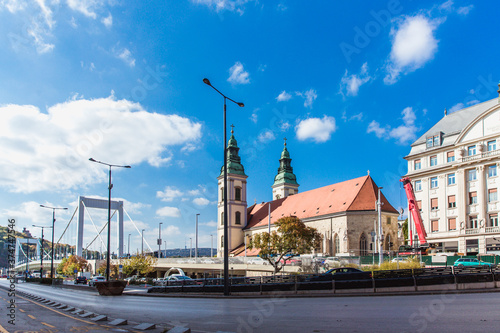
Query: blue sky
[(350, 85)]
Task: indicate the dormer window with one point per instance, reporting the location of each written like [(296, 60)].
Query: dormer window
[(434, 140)]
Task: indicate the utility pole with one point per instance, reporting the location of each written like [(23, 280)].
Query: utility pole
[(380, 235), (196, 241)]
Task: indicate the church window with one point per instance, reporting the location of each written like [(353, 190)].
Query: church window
[(363, 245), (222, 218), (222, 241), (337, 244), (237, 193), (222, 194), (237, 219)]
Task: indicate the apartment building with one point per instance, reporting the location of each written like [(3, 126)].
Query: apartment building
[(454, 169)]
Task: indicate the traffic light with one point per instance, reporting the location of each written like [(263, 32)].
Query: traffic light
[(391, 244)]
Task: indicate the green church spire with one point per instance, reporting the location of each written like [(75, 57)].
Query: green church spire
[(233, 160), (285, 171)]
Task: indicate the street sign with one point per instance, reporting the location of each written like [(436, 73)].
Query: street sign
[(75, 271), (120, 268)]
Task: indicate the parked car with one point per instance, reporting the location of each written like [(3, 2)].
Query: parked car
[(292, 261), (468, 262), (95, 279), (257, 261), (399, 259), (178, 280), (81, 279), (341, 273)]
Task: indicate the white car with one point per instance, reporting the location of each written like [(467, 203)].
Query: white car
[(95, 279), (398, 259), (256, 261)]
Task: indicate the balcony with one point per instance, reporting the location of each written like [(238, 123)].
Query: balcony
[(490, 230), (471, 231), (481, 155)]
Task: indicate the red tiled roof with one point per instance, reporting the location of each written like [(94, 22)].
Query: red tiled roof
[(357, 194)]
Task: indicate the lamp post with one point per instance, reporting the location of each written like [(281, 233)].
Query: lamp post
[(41, 250), (226, 242), (159, 239), (53, 223), (196, 241), (190, 246), (380, 235), (211, 246), (128, 252), (110, 186), (142, 242)]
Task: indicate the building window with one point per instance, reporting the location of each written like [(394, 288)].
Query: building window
[(434, 160), (450, 156), (337, 244), (434, 141), (363, 245), (237, 219), (237, 193), (493, 220), (472, 198), (222, 241), (418, 185), (222, 218), (419, 205), (472, 222), (434, 204), (222, 194), (434, 182), (388, 220), (451, 179), (435, 225), (452, 224), (492, 145), (492, 171), (492, 195), (471, 150), (417, 164), (472, 175), (451, 201)]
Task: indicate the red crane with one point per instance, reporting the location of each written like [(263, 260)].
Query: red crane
[(415, 212)]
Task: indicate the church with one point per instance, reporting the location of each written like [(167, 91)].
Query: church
[(344, 213)]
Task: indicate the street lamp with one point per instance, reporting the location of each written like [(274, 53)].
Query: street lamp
[(196, 241), (142, 242), (226, 237), (41, 250), (190, 246), (159, 239), (110, 186), (128, 245), (53, 222), (211, 246)]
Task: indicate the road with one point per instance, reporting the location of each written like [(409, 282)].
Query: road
[(422, 313)]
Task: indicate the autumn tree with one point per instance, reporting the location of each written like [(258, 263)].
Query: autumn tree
[(141, 264), (113, 273), (69, 265), (291, 239)]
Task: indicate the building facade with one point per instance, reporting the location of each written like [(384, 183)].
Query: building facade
[(344, 213), (454, 172)]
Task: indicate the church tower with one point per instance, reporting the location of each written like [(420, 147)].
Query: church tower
[(285, 182), (237, 199)]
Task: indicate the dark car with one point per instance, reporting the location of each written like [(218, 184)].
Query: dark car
[(81, 279), (342, 273)]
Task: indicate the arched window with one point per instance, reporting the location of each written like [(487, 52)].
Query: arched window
[(222, 218), (388, 241), (337, 244), (222, 242), (237, 219), (222, 194), (237, 193), (363, 245)]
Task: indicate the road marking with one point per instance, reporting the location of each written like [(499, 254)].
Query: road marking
[(48, 325), (22, 310), (32, 317), (3, 330)]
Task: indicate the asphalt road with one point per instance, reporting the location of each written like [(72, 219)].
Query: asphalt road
[(423, 313)]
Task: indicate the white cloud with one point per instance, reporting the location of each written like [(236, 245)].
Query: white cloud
[(221, 5), (168, 212), (255, 117), (211, 224), (107, 21), (284, 125), (309, 97), (86, 7), (351, 83), (413, 45), (237, 74), (201, 201), (403, 134), (465, 10), (266, 136), (316, 129), (284, 96), (169, 194), (126, 56), (50, 151)]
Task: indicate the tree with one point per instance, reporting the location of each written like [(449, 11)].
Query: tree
[(113, 273), (69, 265), (141, 264), (404, 230), (291, 239)]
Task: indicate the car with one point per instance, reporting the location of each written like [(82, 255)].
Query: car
[(207, 261), (178, 280), (96, 279), (399, 259), (341, 273), (81, 279), (257, 261), (470, 262)]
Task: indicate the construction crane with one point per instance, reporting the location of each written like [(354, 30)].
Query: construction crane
[(417, 218)]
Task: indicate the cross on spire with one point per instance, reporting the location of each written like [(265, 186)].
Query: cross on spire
[(232, 129), (285, 141)]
